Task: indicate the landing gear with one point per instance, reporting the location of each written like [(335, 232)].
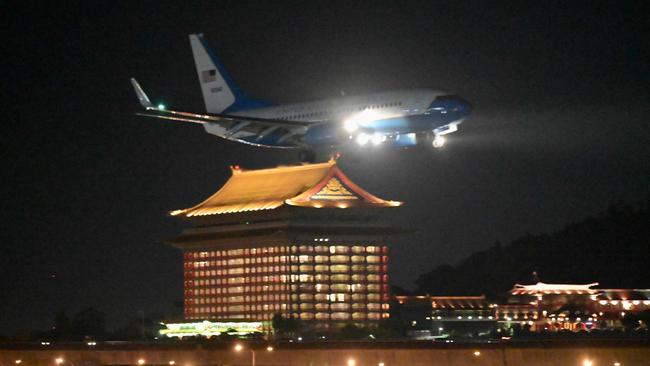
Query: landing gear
[(438, 141), (307, 156)]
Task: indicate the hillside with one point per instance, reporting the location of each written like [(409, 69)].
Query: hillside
[(612, 248)]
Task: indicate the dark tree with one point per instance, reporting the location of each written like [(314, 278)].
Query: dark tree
[(89, 323), (611, 248)]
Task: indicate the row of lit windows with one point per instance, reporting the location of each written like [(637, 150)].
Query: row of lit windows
[(283, 306), (294, 278), (319, 287), (332, 249), (304, 258), (240, 314), (335, 269), (327, 113), (233, 289), (236, 308), (338, 249), (203, 296), (230, 316), (236, 271), (332, 297)]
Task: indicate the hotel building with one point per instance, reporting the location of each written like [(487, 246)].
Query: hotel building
[(301, 241)]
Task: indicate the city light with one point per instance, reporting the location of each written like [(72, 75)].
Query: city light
[(172, 362), (269, 348), (18, 362), (381, 364), (141, 361), (351, 362), (617, 364), (477, 353), (587, 363), (238, 347), (59, 360)]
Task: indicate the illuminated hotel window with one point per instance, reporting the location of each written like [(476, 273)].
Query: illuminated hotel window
[(340, 278), (359, 268), (358, 259), (339, 268), (306, 249), (340, 307), (373, 268), (305, 259), (340, 316), (321, 268), (358, 250), (373, 259), (339, 259), (340, 287)]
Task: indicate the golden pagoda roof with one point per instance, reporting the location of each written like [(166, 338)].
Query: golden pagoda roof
[(309, 185)]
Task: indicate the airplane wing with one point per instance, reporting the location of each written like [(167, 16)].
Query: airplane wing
[(232, 124)]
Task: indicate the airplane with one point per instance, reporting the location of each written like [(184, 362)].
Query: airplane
[(401, 118)]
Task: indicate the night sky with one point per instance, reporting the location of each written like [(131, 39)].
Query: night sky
[(559, 131)]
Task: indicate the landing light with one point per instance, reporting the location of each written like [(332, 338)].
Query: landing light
[(161, 106), (438, 141), (350, 125), (377, 138), (362, 139)]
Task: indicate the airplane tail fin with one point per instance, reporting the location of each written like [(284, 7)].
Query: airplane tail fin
[(142, 96), (220, 93)]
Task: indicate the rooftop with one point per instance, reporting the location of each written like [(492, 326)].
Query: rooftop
[(309, 185)]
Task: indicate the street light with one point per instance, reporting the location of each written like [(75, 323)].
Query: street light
[(587, 363), (141, 361), (238, 348), (59, 360), (351, 362)]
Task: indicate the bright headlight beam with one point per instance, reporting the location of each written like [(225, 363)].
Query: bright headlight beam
[(350, 125), (438, 141), (362, 139), (377, 138)]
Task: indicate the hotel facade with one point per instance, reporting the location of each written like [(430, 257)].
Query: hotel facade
[(301, 241)]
